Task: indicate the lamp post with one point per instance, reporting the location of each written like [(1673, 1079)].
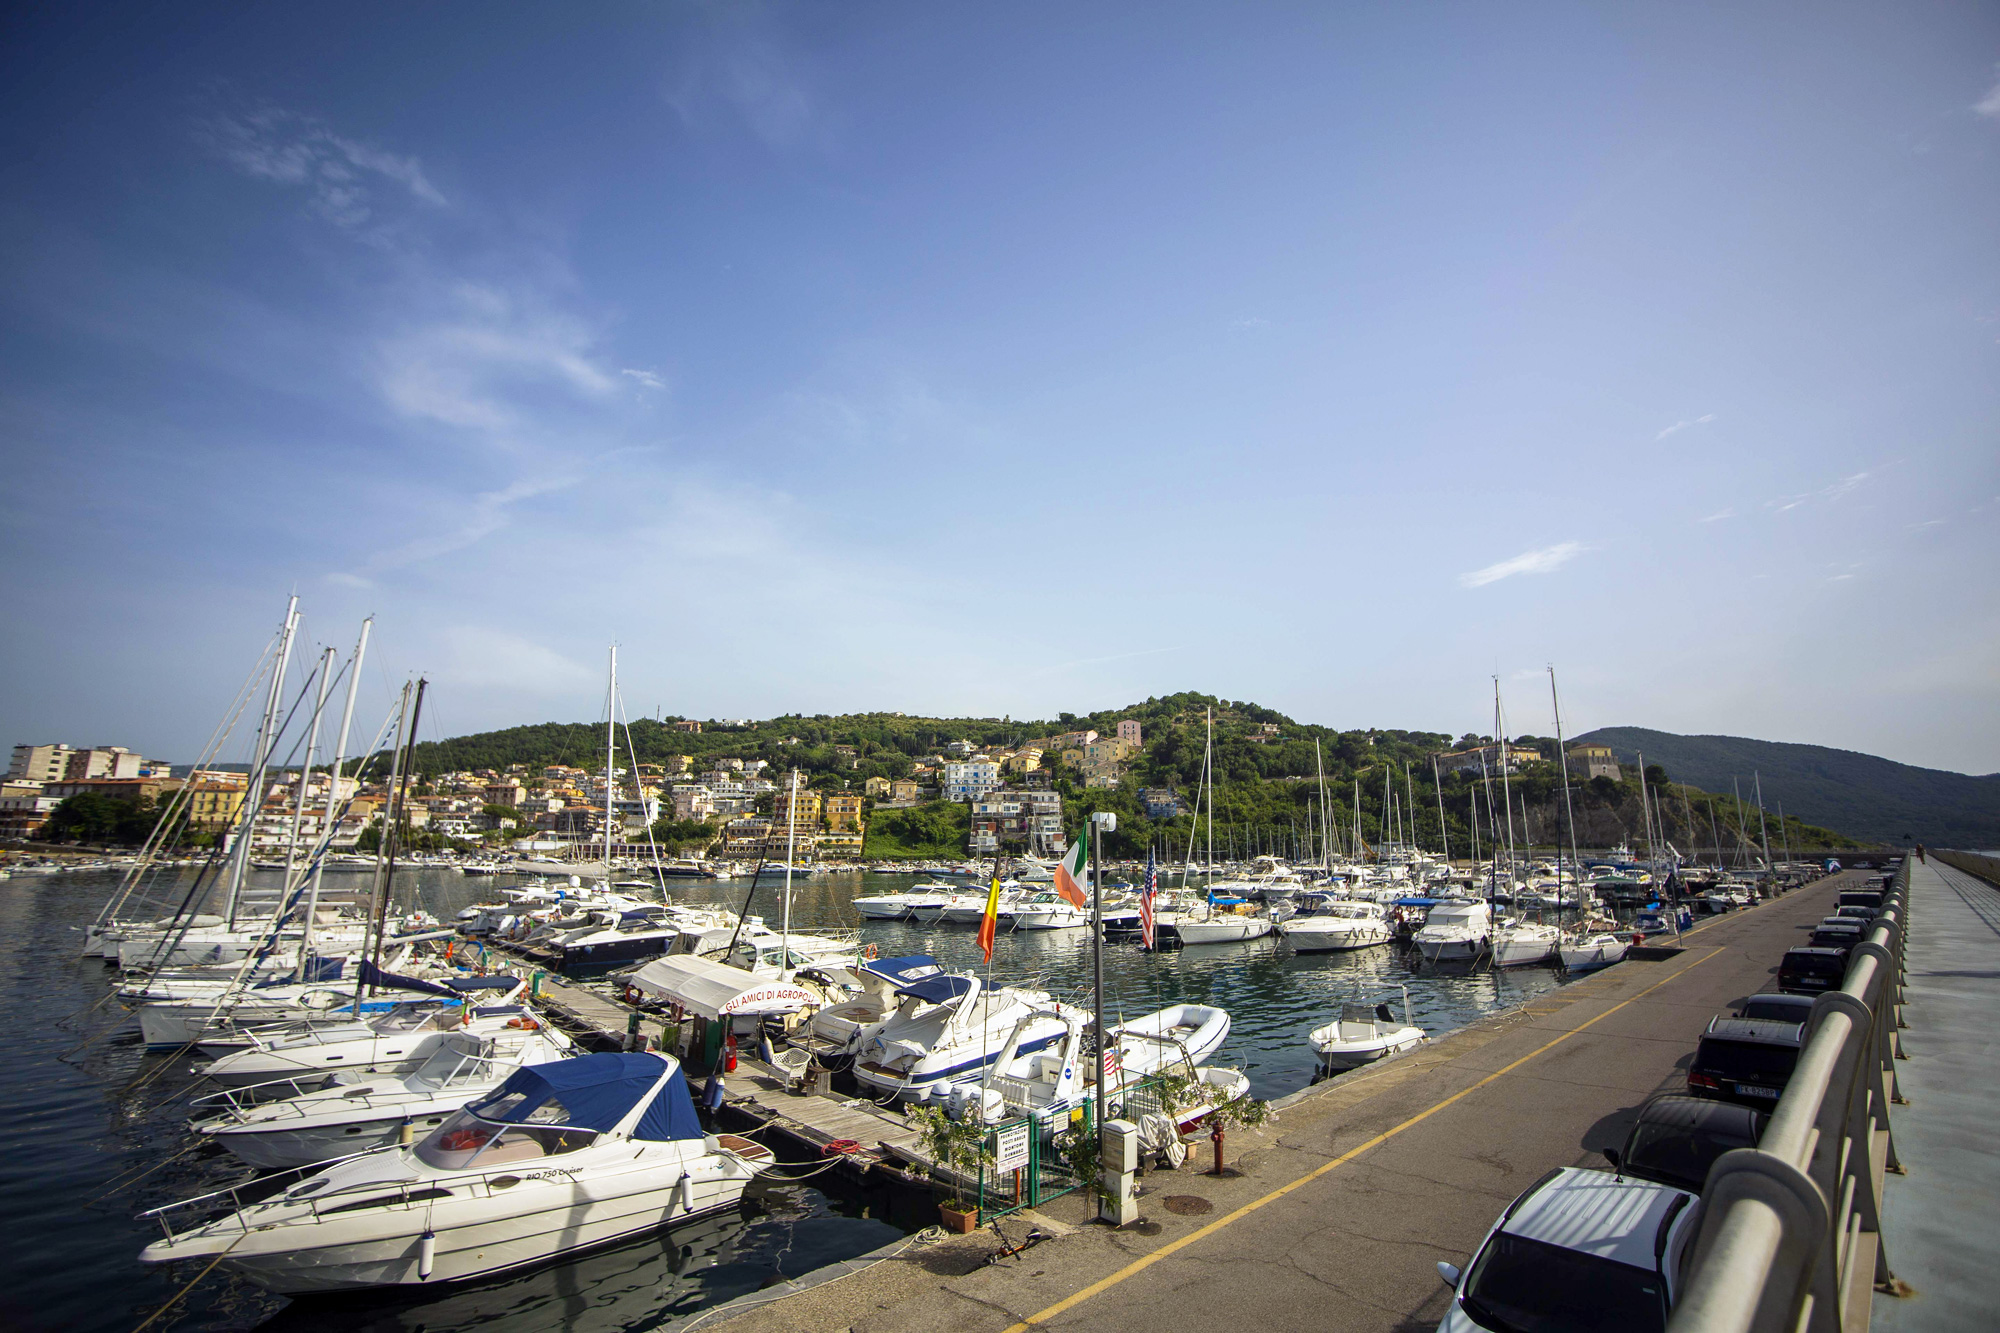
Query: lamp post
[(1102, 822)]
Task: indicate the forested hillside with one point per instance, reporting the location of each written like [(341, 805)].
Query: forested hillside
[(1278, 783), (1861, 794)]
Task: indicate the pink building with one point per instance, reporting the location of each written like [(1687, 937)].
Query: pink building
[(1128, 730)]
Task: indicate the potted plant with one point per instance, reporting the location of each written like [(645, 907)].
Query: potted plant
[(959, 1146)]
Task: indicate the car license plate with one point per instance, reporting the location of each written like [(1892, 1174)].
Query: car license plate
[(1752, 1090)]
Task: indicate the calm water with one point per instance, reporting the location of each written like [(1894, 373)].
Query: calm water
[(88, 1111), (74, 1123)]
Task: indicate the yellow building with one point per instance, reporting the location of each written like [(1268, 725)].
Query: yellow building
[(843, 812), (840, 846), (877, 788), (809, 810), (213, 806), (1024, 760)]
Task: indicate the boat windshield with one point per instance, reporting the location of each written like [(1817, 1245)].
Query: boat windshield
[(459, 1061), (1519, 1285), (468, 1141)]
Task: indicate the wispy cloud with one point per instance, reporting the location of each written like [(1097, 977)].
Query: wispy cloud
[(1927, 523), (339, 173), (1839, 488), (645, 377), (479, 361), (1989, 105), (1717, 516), (1680, 426), (1544, 561), (739, 66)]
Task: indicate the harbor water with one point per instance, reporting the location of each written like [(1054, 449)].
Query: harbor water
[(93, 1129)]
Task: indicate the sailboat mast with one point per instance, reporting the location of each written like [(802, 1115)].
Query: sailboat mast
[(333, 782), (1506, 791), (305, 780), (1763, 829), (1410, 805), (385, 850), (1562, 759), (1646, 810), (1208, 767), (791, 845), (610, 757), (1444, 830), (253, 800)]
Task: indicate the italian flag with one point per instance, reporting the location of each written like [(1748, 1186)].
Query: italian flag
[(1070, 872)]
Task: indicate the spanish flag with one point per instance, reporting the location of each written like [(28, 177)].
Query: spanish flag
[(989, 925), (1071, 872)]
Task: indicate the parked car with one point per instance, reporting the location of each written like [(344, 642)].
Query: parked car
[(1579, 1250), (1838, 933), (1746, 1060), (1853, 912), (1676, 1139), (1789, 1008), (1812, 969)]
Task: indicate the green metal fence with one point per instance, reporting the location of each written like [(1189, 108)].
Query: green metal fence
[(1024, 1166)]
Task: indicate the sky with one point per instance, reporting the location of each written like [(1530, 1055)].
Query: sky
[(984, 360)]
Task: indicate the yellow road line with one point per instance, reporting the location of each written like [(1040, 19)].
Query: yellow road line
[(1139, 1265)]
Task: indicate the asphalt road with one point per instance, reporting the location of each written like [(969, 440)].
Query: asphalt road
[(1344, 1207)]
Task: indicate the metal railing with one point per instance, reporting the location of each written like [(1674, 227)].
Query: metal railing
[(1790, 1237)]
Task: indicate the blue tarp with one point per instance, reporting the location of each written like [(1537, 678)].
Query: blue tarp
[(920, 975), (908, 968), (1416, 902), (596, 1092), (371, 973)]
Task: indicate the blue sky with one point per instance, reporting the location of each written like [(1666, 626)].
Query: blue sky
[(1010, 359)]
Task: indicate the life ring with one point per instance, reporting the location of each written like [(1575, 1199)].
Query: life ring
[(869, 952)]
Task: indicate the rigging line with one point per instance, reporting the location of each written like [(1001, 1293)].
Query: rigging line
[(129, 1180), (173, 1299)]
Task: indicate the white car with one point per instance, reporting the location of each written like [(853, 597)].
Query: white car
[(1580, 1251)]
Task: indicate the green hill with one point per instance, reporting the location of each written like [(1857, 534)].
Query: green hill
[(1862, 795)]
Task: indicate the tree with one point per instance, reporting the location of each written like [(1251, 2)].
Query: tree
[(93, 817)]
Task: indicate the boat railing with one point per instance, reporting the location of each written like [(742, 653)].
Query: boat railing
[(238, 1102), (1790, 1235)]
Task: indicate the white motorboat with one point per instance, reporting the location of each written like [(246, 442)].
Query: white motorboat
[(1456, 930), (836, 1027), (1521, 943), (1365, 1033), (1587, 953), (225, 1020), (399, 1040), (949, 1027), (1047, 911), (1210, 924), (356, 1111), (559, 1158), (1326, 925), (1051, 1082)]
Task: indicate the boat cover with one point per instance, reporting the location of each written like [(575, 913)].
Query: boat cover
[(595, 1092), (901, 971), (710, 989), (369, 974), (1418, 902), (492, 981)]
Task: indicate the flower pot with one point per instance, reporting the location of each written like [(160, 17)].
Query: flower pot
[(956, 1220)]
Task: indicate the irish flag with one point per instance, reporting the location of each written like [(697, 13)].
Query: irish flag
[(1070, 872)]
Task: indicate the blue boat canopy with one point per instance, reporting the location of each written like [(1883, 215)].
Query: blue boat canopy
[(595, 1092), (368, 973), (920, 975), (1416, 902), (492, 981)]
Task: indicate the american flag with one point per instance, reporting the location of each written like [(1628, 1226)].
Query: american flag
[(1146, 900)]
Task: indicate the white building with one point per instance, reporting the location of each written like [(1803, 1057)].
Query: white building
[(970, 780)]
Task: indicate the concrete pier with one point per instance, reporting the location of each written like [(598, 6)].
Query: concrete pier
[(1340, 1209), (1941, 1221)]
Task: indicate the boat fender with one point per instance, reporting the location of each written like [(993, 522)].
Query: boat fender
[(426, 1255), (683, 1193), (407, 1134)]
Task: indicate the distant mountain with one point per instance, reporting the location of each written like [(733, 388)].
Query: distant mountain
[(1862, 795)]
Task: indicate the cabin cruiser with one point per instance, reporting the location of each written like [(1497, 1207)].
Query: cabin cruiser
[(1326, 925), (1365, 1033), (1051, 1082), (1519, 943), (357, 1111), (835, 1027), (401, 1039), (221, 1020), (1456, 930), (632, 934), (560, 1157), (1047, 911), (1221, 921), (948, 1027), (1589, 950)]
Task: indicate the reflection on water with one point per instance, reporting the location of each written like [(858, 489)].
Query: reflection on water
[(646, 1284)]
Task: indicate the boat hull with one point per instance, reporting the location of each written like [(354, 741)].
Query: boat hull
[(1224, 931), (1305, 937)]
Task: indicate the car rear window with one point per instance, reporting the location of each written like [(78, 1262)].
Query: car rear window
[(1814, 965), (1532, 1286), (1679, 1156), (1746, 1061)]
